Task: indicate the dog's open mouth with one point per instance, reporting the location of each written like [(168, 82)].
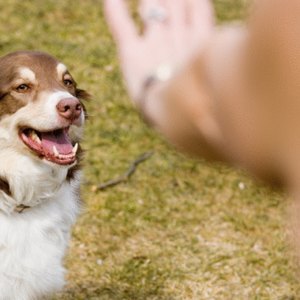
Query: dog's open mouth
[(55, 146)]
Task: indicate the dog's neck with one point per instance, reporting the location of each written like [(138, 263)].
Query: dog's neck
[(21, 193), (4, 187)]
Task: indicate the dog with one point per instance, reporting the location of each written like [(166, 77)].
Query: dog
[(41, 124)]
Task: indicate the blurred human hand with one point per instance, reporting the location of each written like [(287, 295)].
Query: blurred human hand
[(174, 30)]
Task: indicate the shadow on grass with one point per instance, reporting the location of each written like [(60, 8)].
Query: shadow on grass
[(110, 292), (137, 279)]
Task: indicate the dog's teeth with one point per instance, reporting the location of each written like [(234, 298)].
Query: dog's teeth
[(35, 137), (56, 153), (75, 148)]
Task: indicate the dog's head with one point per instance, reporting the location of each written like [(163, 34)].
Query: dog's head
[(40, 101), (41, 116)]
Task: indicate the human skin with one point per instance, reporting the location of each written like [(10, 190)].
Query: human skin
[(234, 95)]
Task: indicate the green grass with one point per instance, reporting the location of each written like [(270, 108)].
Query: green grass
[(179, 228)]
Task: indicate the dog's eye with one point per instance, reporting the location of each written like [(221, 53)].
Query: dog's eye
[(68, 82), (23, 88)]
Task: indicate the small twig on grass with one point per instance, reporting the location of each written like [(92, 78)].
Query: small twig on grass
[(124, 177)]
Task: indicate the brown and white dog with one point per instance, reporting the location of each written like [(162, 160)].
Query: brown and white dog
[(41, 122)]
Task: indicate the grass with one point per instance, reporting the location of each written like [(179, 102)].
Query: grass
[(179, 228)]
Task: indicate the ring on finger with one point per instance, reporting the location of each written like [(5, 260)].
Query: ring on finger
[(156, 13)]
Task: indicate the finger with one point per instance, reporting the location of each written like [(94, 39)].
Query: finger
[(153, 13), (119, 21), (177, 11), (201, 13)]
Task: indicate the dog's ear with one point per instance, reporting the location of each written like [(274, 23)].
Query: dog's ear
[(82, 94)]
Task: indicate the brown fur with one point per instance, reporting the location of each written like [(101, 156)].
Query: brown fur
[(42, 64), (4, 186), (9, 105)]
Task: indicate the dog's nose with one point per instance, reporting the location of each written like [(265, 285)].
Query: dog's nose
[(69, 108)]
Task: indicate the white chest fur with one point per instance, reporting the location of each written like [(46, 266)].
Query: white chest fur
[(33, 243)]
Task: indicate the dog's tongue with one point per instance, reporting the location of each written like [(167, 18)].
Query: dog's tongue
[(59, 139)]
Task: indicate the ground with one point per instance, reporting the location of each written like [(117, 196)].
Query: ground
[(179, 229)]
